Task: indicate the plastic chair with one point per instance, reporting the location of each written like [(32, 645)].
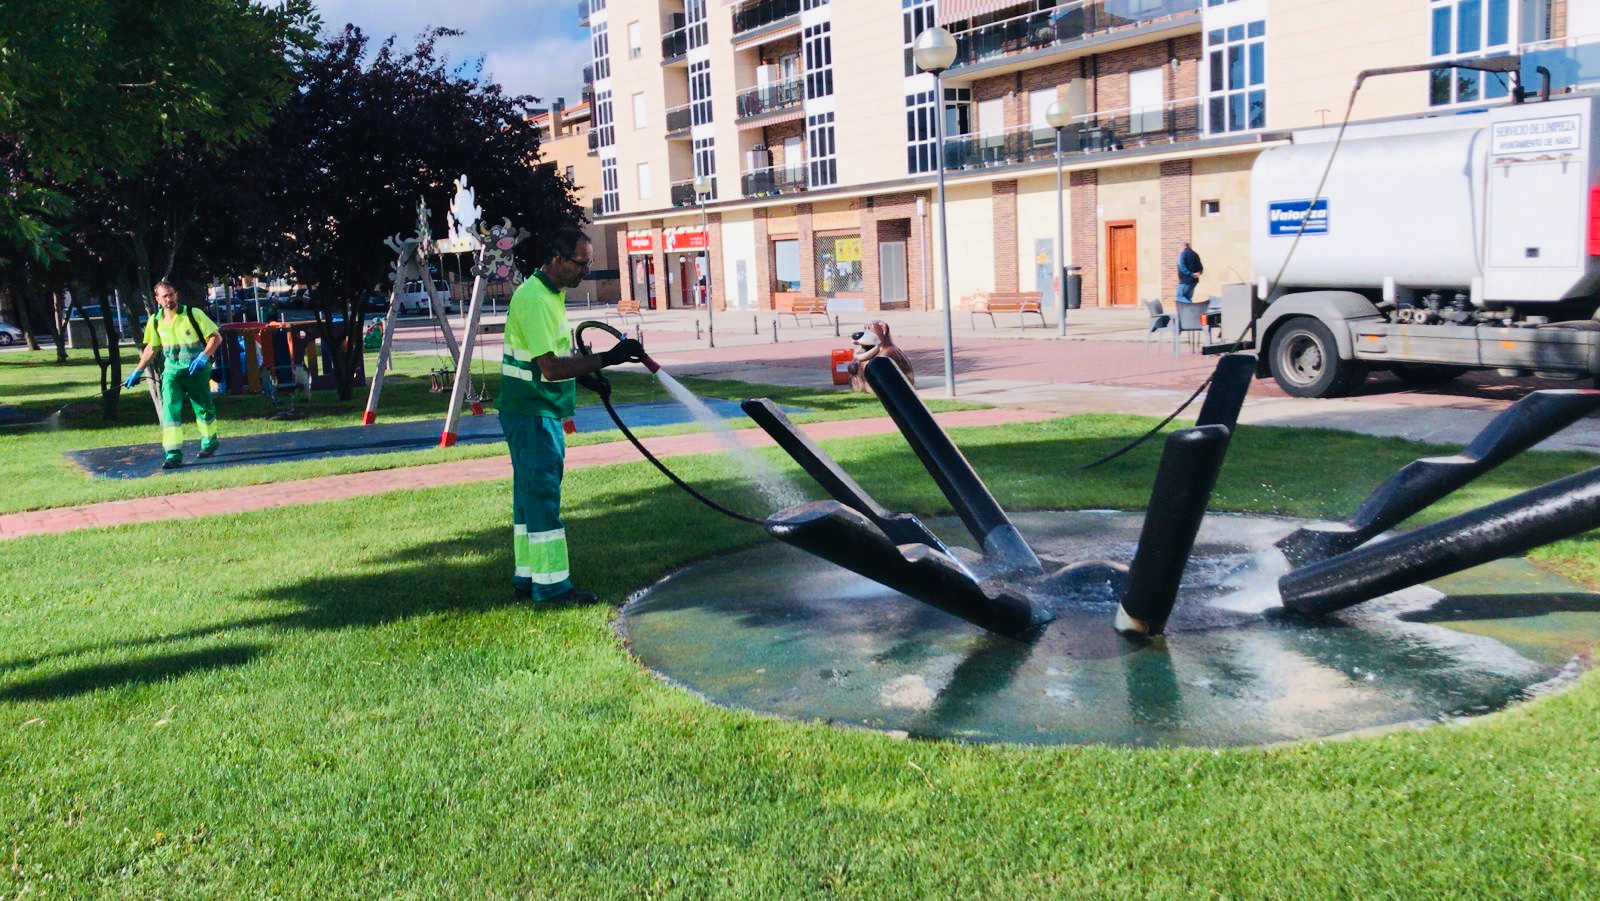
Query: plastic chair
[(1159, 320), (283, 378), (1214, 317), (1191, 319)]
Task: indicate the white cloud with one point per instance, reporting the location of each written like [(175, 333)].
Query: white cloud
[(528, 46)]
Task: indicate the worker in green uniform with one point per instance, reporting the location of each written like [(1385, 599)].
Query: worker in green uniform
[(537, 395), (187, 339)]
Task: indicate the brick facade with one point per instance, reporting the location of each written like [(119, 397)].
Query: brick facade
[(1177, 210), (892, 217), (1004, 197), (1085, 225), (775, 136), (714, 273), (763, 298)]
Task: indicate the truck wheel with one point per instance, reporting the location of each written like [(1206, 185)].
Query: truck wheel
[(1425, 373), (1305, 361)]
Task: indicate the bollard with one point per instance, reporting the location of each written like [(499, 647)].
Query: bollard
[(836, 326), (755, 325), (697, 330), (774, 331), (638, 333)]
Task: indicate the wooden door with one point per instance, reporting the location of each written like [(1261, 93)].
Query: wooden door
[(1122, 264)]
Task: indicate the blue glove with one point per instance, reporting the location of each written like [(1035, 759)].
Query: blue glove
[(133, 378), (200, 361)]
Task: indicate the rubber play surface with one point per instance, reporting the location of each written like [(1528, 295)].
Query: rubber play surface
[(136, 461)]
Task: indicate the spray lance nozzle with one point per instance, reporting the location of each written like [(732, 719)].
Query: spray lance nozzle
[(583, 346)]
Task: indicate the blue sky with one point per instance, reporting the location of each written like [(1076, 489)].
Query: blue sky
[(529, 46)]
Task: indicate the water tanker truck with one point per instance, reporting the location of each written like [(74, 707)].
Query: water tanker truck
[(1438, 246)]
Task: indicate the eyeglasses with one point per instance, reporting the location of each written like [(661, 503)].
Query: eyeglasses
[(582, 264)]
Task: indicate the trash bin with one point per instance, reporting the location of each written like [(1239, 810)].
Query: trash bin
[(1074, 287), (839, 361)]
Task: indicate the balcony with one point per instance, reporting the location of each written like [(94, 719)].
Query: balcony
[(773, 181), (1572, 62), (583, 12), (598, 204), (758, 15), (594, 143), (675, 45), (678, 121), (588, 74), (770, 98), (1061, 24), (683, 193), (1173, 122)]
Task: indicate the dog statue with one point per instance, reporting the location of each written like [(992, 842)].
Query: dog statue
[(874, 341)]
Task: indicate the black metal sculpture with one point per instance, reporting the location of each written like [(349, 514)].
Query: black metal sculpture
[(1016, 591)]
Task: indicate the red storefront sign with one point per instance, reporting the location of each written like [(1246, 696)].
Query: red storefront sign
[(640, 244), (688, 241)]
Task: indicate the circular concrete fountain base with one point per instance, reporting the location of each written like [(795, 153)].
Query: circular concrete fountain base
[(774, 630)]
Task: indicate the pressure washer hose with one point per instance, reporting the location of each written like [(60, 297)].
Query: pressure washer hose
[(604, 390)]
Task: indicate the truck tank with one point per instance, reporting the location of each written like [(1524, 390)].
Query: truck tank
[(1406, 206)]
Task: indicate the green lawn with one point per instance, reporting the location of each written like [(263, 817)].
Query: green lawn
[(338, 700), (35, 474)]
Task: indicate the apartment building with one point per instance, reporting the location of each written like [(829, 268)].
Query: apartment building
[(564, 143), (809, 133)]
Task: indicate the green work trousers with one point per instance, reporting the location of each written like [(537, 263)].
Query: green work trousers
[(538, 539), (178, 387)]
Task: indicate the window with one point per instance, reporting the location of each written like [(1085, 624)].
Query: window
[(917, 17), (602, 50), (609, 194), (639, 110), (1237, 77), (823, 154), (642, 173), (605, 134), (786, 265), (1468, 29), (700, 92), (818, 42), (919, 133), (1146, 90), (957, 111), (705, 163), (635, 41), (695, 20), (572, 174), (1209, 208), (838, 264), (813, 4)]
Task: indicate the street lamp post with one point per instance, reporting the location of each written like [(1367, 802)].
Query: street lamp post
[(702, 190), (934, 51), (1059, 115)]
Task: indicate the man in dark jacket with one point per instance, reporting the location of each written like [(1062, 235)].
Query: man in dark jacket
[(1189, 270)]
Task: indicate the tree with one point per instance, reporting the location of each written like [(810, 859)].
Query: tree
[(89, 87), (358, 145)]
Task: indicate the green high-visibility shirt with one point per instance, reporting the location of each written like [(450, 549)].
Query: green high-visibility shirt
[(536, 325), (177, 339)]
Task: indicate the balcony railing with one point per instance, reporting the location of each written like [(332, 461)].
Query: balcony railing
[(1061, 24), (594, 143), (682, 193), (583, 12), (675, 44), (1571, 61), (678, 119), (773, 181), (1173, 122), (588, 74), (598, 204), (762, 13), (770, 98)]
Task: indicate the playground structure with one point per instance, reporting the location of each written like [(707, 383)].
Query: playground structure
[(491, 248)]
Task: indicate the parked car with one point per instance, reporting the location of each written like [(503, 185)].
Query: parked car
[(414, 298), (10, 334)]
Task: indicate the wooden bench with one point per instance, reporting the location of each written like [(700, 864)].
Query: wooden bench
[(624, 309), (997, 302), (807, 307)]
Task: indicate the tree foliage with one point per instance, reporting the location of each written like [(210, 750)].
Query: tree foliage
[(89, 87), (370, 132)]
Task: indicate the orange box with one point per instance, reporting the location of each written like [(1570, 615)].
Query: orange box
[(840, 364)]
